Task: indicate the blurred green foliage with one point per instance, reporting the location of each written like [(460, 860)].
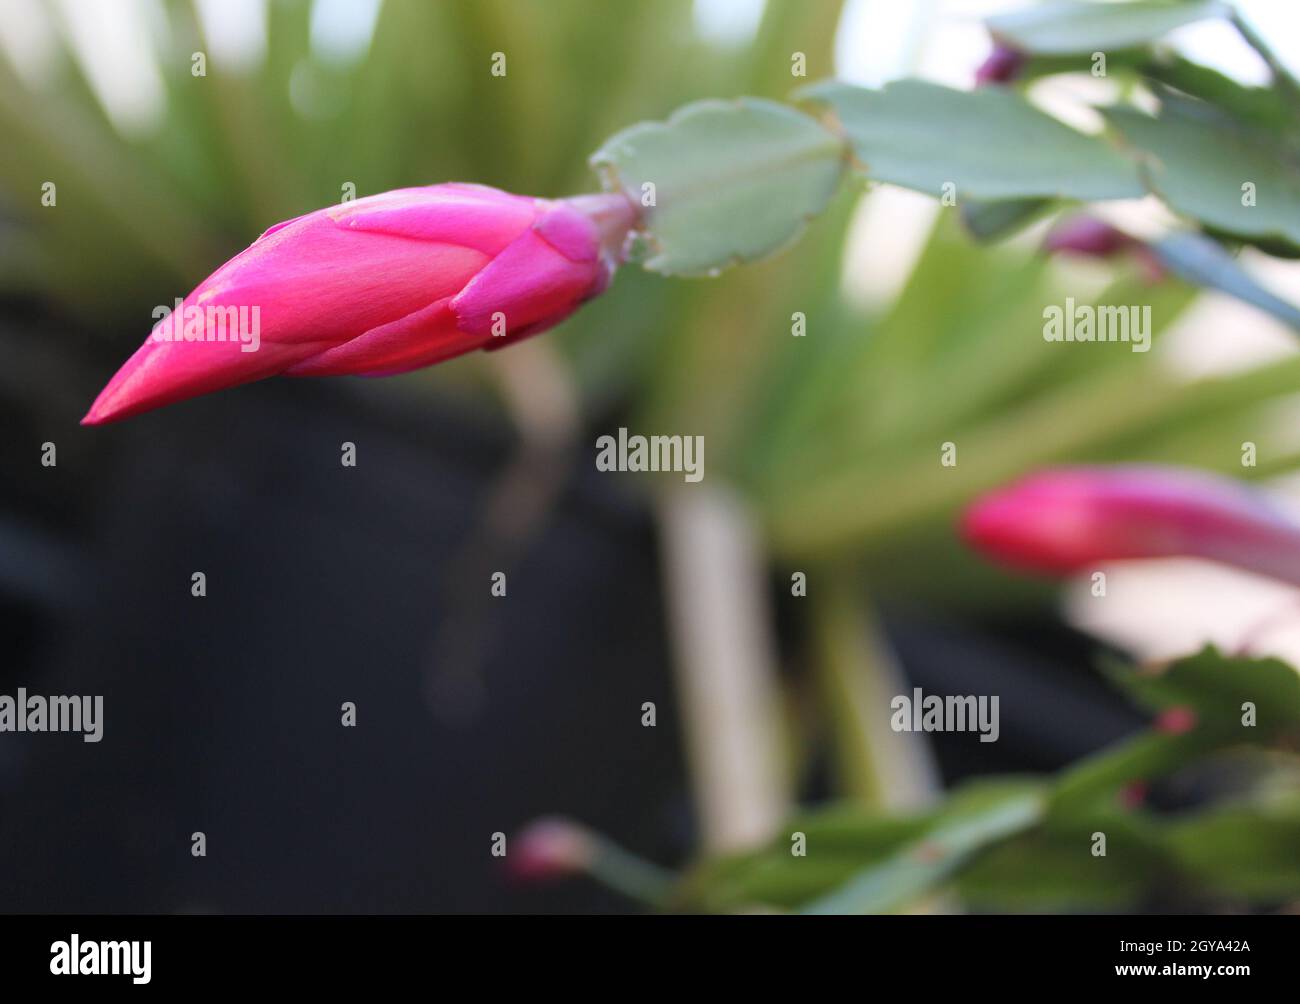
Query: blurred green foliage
[(1025, 844)]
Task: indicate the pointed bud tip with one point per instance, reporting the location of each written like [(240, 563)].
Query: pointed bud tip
[(105, 410), (94, 416), (1006, 525)]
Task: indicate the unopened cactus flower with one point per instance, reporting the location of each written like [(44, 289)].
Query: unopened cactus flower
[(1088, 237), (1063, 520), (1003, 65), (376, 286)]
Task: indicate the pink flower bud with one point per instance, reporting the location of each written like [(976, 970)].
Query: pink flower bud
[(1069, 519), (1002, 66), (381, 285), (548, 849), (1175, 721), (1089, 237), (1134, 794)]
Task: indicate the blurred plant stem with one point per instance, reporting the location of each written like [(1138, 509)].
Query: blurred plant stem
[(725, 661), (1285, 82), (538, 392), (633, 876), (858, 677)]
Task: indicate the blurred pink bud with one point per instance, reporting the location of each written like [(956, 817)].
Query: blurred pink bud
[(1002, 66), (376, 286), (1089, 237), (1134, 794), (550, 848), (1175, 721), (1086, 235), (1068, 519)]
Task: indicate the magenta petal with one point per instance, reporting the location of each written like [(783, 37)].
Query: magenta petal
[(316, 282), (471, 216), (528, 285), (569, 232), (419, 339)]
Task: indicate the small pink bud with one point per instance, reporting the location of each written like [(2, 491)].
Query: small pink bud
[(548, 849), (1002, 66), (1069, 519), (1134, 794), (1088, 237), (1175, 721), (380, 285)]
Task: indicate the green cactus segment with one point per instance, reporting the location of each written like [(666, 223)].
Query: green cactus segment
[(722, 182), (986, 144)]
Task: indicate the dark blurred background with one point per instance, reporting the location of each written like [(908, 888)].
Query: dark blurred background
[(328, 584)]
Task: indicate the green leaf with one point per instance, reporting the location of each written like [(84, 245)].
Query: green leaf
[(733, 181), (1215, 686), (1247, 851), (1074, 27), (841, 841), (1050, 867), (983, 815), (1198, 159), (1260, 106), (990, 143), (1038, 65), (1099, 777), (1203, 262), (989, 221), (907, 854)]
